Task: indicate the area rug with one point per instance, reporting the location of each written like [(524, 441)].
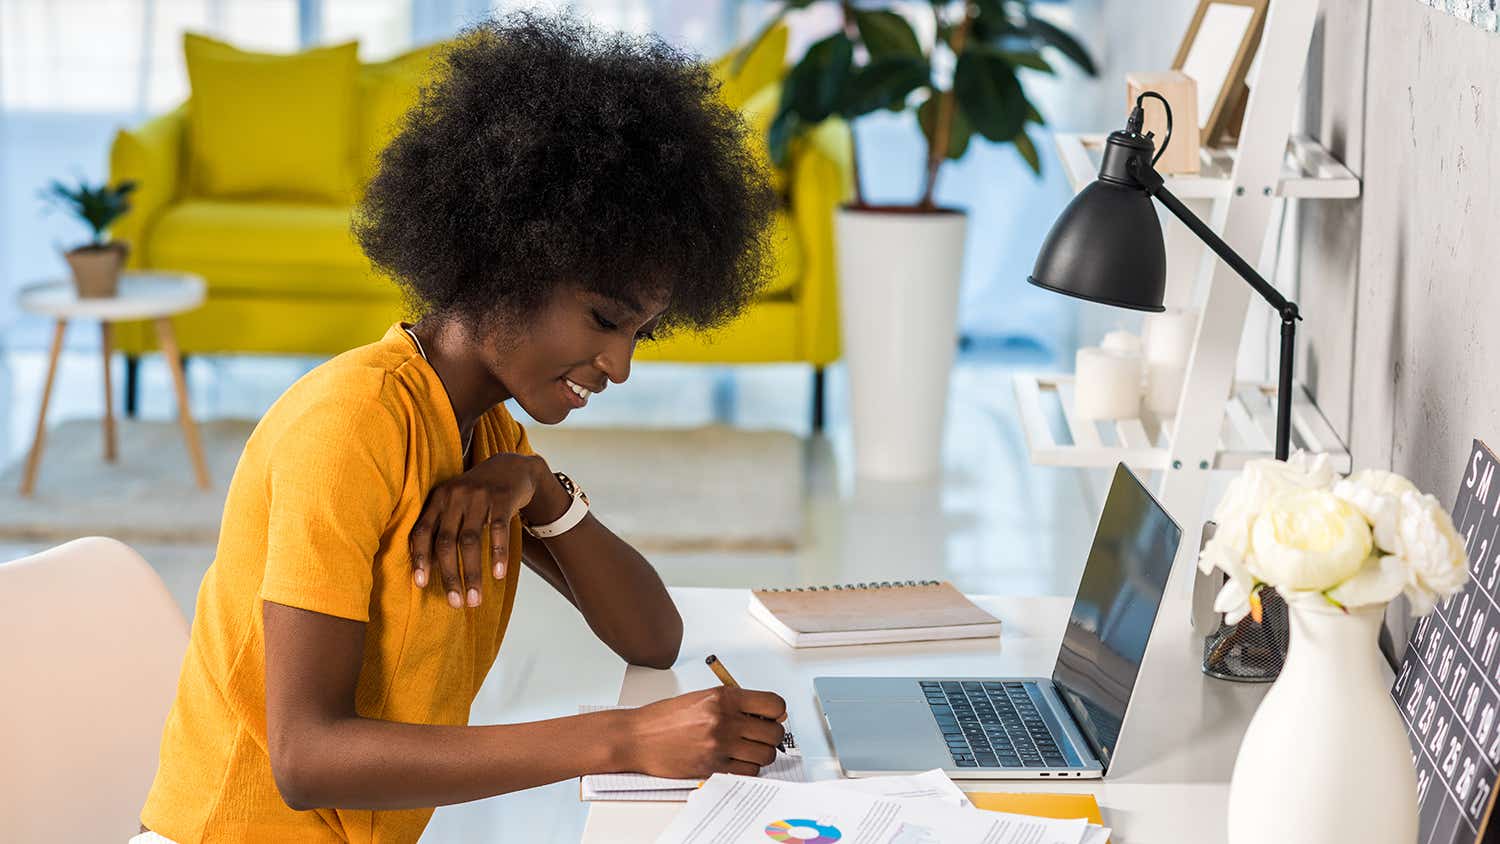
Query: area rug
[(700, 489)]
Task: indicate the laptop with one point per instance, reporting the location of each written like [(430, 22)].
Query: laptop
[(1065, 726)]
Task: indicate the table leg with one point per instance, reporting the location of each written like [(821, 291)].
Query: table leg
[(107, 341), (168, 342), (28, 479)]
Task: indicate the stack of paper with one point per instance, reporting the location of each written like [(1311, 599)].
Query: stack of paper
[(730, 809)]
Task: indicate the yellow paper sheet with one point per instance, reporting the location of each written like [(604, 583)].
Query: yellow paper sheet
[(1060, 806)]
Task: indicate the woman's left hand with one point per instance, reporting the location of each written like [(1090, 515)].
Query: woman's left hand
[(454, 516)]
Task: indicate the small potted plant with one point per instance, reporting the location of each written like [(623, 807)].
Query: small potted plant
[(96, 265), (900, 265)]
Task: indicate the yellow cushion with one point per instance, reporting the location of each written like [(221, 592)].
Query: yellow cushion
[(771, 331), (758, 112), (386, 91), (788, 259), (765, 64), (270, 248), (268, 125)]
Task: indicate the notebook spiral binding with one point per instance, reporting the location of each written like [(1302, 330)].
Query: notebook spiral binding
[(838, 587)]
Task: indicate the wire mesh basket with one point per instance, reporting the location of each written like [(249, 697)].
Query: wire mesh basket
[(1250, 651)]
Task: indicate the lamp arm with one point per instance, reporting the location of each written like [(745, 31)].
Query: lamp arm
[(1154, 185)]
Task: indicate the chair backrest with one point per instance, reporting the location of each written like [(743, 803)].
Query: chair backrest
[(91, 644)]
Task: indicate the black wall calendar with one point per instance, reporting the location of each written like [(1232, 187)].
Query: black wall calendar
[(1448, 688)]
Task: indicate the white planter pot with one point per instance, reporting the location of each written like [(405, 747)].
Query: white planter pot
[(898, 310), (1326, 757)]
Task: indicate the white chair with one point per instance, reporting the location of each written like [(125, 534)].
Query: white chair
[(91, 644)]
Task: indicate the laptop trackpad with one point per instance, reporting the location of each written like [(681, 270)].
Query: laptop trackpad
[(872, 736)]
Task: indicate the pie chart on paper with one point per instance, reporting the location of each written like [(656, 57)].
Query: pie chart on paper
[(802, 831)]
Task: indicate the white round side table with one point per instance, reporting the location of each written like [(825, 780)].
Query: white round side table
[(154, 296)]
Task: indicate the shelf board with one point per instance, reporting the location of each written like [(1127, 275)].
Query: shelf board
[(1249, 430), (1309, 172)]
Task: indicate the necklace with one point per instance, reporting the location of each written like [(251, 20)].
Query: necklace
[(423, 352)]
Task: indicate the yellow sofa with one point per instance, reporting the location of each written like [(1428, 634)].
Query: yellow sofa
[(285, 275)]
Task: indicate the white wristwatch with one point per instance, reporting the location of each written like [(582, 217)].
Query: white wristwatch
[(570, 519)]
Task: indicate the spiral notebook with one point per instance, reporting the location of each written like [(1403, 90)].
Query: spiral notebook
[(871, 613)]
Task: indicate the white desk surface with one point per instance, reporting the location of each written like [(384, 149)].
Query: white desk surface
[(1142, 809)]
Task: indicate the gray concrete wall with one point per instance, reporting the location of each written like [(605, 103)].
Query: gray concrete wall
[(1401, 288)]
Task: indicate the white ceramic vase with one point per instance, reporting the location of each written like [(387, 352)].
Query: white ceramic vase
[(1326, 757), (899, 273)]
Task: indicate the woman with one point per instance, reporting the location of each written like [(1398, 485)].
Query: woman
[(555, 197)]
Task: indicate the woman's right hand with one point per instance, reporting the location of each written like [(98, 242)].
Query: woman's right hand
[(718, 730)]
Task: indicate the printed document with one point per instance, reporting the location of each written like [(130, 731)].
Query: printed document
[(932, 785), (731, 809)]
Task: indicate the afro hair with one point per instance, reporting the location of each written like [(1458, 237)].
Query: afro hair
[(546, 153)]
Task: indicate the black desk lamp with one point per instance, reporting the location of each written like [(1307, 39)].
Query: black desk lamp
[(1107, 245)]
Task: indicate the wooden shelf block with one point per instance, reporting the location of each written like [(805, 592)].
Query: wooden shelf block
[(1181, 155)]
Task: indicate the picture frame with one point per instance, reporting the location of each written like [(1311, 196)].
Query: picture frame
[(1217, 51)]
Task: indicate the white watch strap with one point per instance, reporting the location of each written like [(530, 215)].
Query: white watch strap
[(576, 511)]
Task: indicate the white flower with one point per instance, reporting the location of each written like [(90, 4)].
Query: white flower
[(1430, 549), (1307, 539), (1233, 600), (1377, 494), (1357, 542), (1378, 581), (1249, 492)]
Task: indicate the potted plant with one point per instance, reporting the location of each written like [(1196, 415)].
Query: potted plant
[(96, 265), (900, 265)]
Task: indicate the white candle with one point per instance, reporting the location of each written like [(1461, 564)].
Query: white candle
[(1164, 388), (1107, 385), (1121, 342), (1169, 344), (1169, 336)]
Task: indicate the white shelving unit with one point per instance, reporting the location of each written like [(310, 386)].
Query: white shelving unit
[(1219, 423), (1248, 430), (1309, 171)]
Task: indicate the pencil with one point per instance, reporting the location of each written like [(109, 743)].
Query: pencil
[(787, 742), (721, 672)]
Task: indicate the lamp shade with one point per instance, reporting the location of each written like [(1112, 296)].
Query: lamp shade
[(1106, 247)]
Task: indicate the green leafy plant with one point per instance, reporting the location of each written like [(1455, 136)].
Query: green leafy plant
[(97, 206), (877, 62)]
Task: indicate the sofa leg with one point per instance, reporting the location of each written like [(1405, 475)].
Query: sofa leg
[(132, 384), (819, 399)]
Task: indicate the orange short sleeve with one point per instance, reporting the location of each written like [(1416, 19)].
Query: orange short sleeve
[(335, 480)]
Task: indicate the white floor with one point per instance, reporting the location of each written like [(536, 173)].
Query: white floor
[(993, 524)]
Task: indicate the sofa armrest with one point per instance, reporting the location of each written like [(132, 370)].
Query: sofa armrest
[(152, 155), (822, 179)]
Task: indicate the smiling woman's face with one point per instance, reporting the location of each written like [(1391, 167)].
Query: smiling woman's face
[(574, 346)]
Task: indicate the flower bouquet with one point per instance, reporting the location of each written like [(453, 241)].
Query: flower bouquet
[(1297, 526)]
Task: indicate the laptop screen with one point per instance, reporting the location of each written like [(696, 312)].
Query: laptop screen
[(1123, 583)]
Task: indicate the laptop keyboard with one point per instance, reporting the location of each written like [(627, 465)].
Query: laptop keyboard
[(991, 725)]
